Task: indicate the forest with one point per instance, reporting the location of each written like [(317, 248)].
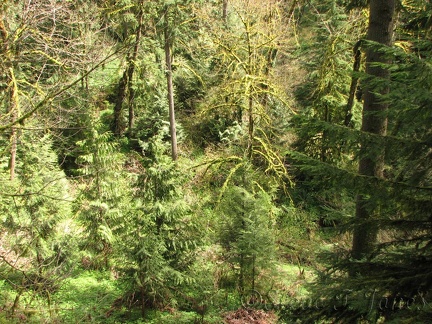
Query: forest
[(215, 161)]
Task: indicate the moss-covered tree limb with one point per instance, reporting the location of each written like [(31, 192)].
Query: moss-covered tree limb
[(48, 98)]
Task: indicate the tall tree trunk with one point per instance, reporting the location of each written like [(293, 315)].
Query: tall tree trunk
[(14, 141), (14, 111), (291, 9), (374, 121), (225, 10), (167, 47), (251, 117), (118, 123), (131, 68), (250, 128), (354, 84), (125, 92)]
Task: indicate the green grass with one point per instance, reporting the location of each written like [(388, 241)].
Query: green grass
[(87, 298)]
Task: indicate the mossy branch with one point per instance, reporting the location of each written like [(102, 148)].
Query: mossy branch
[(14, 96), (55, 94)]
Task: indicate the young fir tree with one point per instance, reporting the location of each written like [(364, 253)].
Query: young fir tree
[(247, 233), (37, 240), (104, 196), (158, 237)]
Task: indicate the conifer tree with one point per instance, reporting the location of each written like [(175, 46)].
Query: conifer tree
[(323, 99), (380, 30), (383, 278), (103, 200), (156, 240), (38, 243), (247, 233)]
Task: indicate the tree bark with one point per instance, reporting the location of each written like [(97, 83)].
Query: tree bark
[(131, 68), (170, 88), (14, 111), (374, 121), (354, 84), (291, 10), (118, 123), (125, 92), (12, 88), (225, 11)]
